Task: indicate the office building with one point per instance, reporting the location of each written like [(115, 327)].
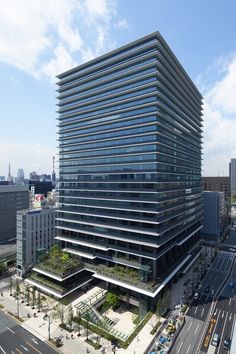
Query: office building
[(217, 184), (12, 199), (35, 236), (215, 218), (130, 168)]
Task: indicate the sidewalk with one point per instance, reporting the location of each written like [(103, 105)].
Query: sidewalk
[(39, 327)]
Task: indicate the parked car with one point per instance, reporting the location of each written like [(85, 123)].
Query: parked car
[(227, 343), (196, 296), (231, 284), (212, 292), (215, 340)]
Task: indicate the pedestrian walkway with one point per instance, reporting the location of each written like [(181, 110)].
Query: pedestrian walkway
[(38, 326)]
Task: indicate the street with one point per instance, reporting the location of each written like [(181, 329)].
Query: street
[(16, 340), (215, 309)]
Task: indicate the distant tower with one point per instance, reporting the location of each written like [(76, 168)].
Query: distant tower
[(9, 177), (53, 170)]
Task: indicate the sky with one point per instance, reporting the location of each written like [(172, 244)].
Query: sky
[(42, 38)]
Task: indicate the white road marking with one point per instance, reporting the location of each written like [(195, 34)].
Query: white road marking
[(177, 350), (34, 340), (202, 311), (12, 352), (190, 326), (188, 349), (229, 301), (215, 312), (223, 313), (195, 310), (230, 316), (2, 350), (196, 329), (9, 329), (24, 348)]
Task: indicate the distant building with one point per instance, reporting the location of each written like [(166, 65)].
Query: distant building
[(217, 184), (232, 172), (20, 176), (35, 236), (40, 187), (34, 176), (215, 216), (45, 178), (12, 199)]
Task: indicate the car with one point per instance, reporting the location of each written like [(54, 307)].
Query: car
[(215, 340), (227, 343), (199, 287), (212, 292), (207, 289), (231, 284), (196, 296)]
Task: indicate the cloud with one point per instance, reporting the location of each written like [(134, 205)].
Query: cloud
[(28, 154), (219, 141), (121, 24), (41, 36)]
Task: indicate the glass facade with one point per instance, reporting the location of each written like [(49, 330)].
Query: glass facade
[(130, 159)]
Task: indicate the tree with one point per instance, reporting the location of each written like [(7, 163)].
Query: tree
[(33, 297), (17, 293), (112, 299), (39, 301), (2, 267), (70, 315), (27, 294), (59, 312), (10, 285)]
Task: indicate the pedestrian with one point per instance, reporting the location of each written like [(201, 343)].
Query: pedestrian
[(71, 335), (87, 350), (1, 293)]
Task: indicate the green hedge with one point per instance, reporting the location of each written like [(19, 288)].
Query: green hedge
[(155, 328), (64, 326), (96, 345)]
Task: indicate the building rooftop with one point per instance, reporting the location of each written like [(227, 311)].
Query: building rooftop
[(13, 188)]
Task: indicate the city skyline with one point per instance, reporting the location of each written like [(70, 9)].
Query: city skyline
[(73, 32)]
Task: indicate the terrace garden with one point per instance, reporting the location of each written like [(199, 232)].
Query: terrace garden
[(59, 262), (124, 274)]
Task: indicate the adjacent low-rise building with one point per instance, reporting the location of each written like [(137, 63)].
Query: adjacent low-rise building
[(215, 216), (35, 236)]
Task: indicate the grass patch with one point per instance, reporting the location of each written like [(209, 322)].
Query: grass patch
[(1, 306)]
